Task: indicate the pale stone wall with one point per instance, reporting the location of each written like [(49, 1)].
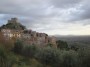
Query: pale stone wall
[(11, 33), (31, 37)]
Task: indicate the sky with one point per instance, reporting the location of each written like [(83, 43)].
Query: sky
[(54, 17)]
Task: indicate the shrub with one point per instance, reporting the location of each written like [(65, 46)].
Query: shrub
[(49, 56), (84, 57), (69, 58), (62, 44), (3, 57), (29, 51), (18, 46)]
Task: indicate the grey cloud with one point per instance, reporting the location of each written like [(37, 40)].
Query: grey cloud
[(81, 12), (86, 10), (65, 3), (39, 14), (33, 8), (18, 7)]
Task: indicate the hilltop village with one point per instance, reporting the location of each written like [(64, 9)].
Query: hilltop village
[(14, 29)]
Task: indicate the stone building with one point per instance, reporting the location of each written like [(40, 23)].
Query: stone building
[(8, 33), (28, 36), (13, 20)]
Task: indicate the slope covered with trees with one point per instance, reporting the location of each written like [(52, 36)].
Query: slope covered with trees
[(18, 54), (22, 55)]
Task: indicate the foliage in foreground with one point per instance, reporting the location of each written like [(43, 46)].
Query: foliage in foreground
[(32, 56)]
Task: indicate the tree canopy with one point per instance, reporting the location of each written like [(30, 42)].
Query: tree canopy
[(12, 25)]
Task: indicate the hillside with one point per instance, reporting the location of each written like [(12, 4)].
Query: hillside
[(13, 24), (29, 48)]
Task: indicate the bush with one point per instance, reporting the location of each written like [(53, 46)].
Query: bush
[(3, 57), (84, 57), (29, 51), (75, 47), (69, 59), (18, 46), (49, 56), (62, 44)]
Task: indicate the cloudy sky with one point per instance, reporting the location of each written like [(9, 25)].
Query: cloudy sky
[(54, 17)]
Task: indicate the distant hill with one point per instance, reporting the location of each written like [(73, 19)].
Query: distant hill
[(13, 24), (75, 40)]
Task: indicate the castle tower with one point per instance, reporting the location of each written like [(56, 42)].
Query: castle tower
[(13, 20)]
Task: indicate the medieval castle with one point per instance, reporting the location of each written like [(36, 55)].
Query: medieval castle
[(28, 36)]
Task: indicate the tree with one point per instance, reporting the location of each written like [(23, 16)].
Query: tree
[(84, 57), (3, 57), (18, 46), (74, 47), (12, 25), (62, 44), (29, 51), (49, 45), (69, 58), (49, 56)]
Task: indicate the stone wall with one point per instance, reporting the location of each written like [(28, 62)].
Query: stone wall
[(13, 20), (28, 36)]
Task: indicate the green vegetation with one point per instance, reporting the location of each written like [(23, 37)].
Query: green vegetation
[(18, 46), (62, 44), (14, 53), (49, 57), (22, 55), (12, 25)]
